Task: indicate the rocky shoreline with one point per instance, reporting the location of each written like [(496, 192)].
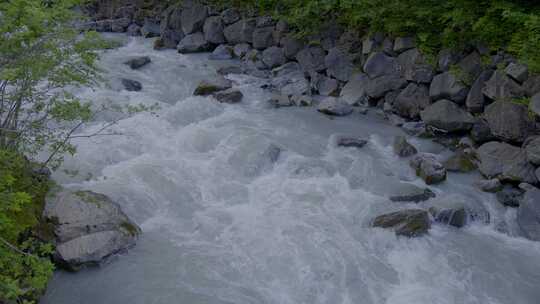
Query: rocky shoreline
[(484, 106)]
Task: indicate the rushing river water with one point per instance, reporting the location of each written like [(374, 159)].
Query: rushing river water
[(223, 224)]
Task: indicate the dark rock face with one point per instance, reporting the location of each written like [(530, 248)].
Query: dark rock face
[(532, 147), (263, 37), (351, 142), (138, 62), (210, 86), (471, 66), (428, 168), (230, 16), (505, 162), (213, 30), (169, 39), (193, 18), (222, 52), (409, 223), (510, 196), (534, 105), (88, 227), (403, 148), (240, 32), (229, 96), (508, 121), (481, 133), (528, 216), (338, 65), (411, 101), (378, 87), (193, 43), (291, 46), (379, 64), (334, 106), (447, 86), (312, 59), (503, 88), (273, 57), (448, 117), (450, 214), (402, 44), (131, 85), (518, 72), (476, 100)]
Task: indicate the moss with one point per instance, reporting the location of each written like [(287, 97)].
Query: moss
[(88, 197), (130, 228)]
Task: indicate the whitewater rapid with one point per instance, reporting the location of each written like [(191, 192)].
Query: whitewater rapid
[(221, 224)]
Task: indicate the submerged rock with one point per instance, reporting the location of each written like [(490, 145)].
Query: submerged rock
[(353, 142), (138, 62), (428, 168), (490, 185), (413, 194), (450, 214), (229, 96), (209, 86), (131, 85), (510, 196), (528, 215), (403, 148), (410, 223)]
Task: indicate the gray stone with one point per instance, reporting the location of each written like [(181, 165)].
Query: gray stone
[(447, 86), (403, 148), (131, 85), (460, 162), (448, 117), (213, 30), (133, 30), (273, 57), (409, 223), (265, 21), (510, 196), (411, 193), (532, 85), (338, 65), (150, 29), (534, 105), (240, 50), (402, 44), (233, 69), (240, 32), (193, 43), (213, 85), (169, 39), (528, 215), (532, 147), (279, 101), (291, 46), (120, 25), (290, 80), (415, 128), (490, 185), (502, 87), (354, 92), (138, 62), (428, 168), (453, 214), (411, 101), (263, 38), (475, 99), (470, 67), (379, 64), (229, 96), (518, 72), (447, 58), (302, 100), (312, 59), (505, 162), (415, 68), (378, 87), (326, 86), (335, 107), (193, 18), (480, 132), (230, 16), (222, 52), (351, 142), (508, 121)]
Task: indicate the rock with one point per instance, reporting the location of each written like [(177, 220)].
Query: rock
[(193, 18), (537, 173), (210, 86), (379, 64), (351, 142), (326, 86), (532, 85), (265, 21), (240, 50), (150, 29), (312, 59), (133, 30), (412, 194), (532, 148), (378, 87), (447, 116), (410, 223), (396, 120), (518, 72), (290, 80), (475, 99), (508, 121), (411, 101), (229, 96), (213, 30), (334, 106), (453, 214), (447, 86), (528, 215), (490, 185), (193, 43), (169, 39), (402, 44), (470, 67), (534, 105), (233, 69), (88, 227), (222, 52), (447, 58), (240, 32), (502, 88), (120, 25), (480, 132), (338, 65), (428, 168), (302, 100), (354, 92), (279, 101), (460, 162), (510, 196), (138, 62), (230, 16), (403, 148), (131, 85), (291, 46), (263, 38), (415, 128), (505, 162), (273, 57), (415, 68)]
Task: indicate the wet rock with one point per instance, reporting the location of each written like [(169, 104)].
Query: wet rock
[(379, 64), (403, 148), (410, 223), (428, 168), (415, 128), (230, 16), (291, 46), (412, 194), (460, 162), (131, 85), (312, 59), (532, 147), (335, 107), (150, 29), (229, 96), (193, 18), (378, 87), (510, 196), (138, 62), (240, 32), (447, 86), (508, 121), (528, 215), (502, 88), (210, 86), (475, 99), (222, 52), (290, 80), (193, 43), (505, 162), (453, 214), (326, 86), (278, 101), (88, 228), (169, 39), (263, 38), (241, 50), (480, 132), (338, 65), (213, 30), (233, 69), (448, 117), (302, 100), (411, 101), (354, 92), (133, 30), (490, 185), (518, 72), (351, 142), (273, 57)]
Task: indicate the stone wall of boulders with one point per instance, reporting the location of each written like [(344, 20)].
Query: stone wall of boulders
[(483, 105)]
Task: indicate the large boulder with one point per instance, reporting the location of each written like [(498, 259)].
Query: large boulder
[(354, 92), (335, 107), (508, 121), (532, 147), (411, 101), (213, 30), (428, 168), (88, 228), (410, 223), (447, 86), (480, 132), (518, 72), (470, 66), (289, 80), (273, 57), (528, 215), (291, 46), (222, 52), (379, 64), (475, 99), (338, 65), (502, 87), (402, 44), (169, 39), (193, 43), (534, 105), (240, 32), (193, 18), (263, 37), (447, 116), (230, 16), (415, 68), (325, 86), (505, 162), (213, 85), (312, 59), (378, 87)]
